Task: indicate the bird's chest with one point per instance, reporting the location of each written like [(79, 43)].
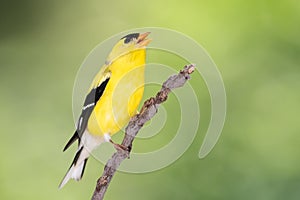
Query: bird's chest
[(119, 101)]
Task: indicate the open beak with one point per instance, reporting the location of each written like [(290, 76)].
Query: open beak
[(142, 40)]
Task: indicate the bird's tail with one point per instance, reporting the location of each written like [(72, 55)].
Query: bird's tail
[(77, 167)]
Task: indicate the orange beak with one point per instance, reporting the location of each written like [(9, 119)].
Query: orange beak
[(143, 40)]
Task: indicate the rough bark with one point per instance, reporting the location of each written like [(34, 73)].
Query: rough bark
[(148, 110)]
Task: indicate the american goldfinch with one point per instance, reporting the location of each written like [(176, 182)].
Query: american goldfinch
[(113, 98)]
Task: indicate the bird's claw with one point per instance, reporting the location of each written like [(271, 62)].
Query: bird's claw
[(120, 147)]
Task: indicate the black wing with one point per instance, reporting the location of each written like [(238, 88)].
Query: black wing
[(88, 106)]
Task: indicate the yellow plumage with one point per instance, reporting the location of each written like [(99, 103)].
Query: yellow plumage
[(112, 99), (122, 94)]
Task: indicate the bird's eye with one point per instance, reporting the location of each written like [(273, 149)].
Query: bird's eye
[(127, 40), (130, 37)]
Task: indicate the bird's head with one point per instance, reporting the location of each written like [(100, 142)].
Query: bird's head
[(129, 43)]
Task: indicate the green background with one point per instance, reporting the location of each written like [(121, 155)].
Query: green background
[(256, 46)]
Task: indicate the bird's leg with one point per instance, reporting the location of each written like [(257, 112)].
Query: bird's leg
[(117, 146)]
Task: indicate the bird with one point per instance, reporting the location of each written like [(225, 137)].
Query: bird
[(112, 99)]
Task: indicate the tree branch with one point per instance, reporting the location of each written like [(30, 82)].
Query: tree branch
[(148, 110)]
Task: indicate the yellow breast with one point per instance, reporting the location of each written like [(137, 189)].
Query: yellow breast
[(121, 96)]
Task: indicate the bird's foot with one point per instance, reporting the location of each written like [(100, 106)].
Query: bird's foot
[(122, 148), (119, 146)]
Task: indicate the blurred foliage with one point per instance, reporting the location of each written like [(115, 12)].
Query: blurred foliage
[(256, 46)]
